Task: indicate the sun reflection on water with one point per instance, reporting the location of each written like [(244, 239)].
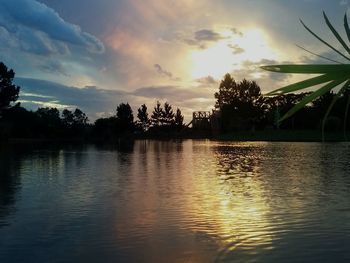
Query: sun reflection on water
[(179, 201)]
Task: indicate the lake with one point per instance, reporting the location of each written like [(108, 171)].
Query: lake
[(176, 201)]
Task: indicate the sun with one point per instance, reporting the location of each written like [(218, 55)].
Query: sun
[(230, 52), (214, 61)]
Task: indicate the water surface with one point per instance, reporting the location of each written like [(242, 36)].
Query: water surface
[(176, 201)]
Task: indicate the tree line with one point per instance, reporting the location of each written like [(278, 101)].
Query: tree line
[(163, 121), (239, 106), (49, 122)]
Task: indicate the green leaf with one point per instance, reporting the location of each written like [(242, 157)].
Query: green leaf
[(318, 55), (312, 96), (309, 69), (335, 33), (324, 42), (346, 25), (330, 107), (303, 84)]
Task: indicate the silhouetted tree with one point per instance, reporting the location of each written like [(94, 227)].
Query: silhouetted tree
[(157, 115), (125, 118), (105, 128), (241, 104), (50, 121), (67, 118), (8, 91), (178, 119), (142, 115), (168, 115), (21, 123), (80, 118), (322, 103), (304, 119)]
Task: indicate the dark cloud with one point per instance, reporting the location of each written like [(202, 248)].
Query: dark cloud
[(235, 31), (202, 37), (167, 92), (165, 73), (236, 49), (55, 67), (162, 72), (193, 42), (98, 102), (207, 35), (209, 80), (39, 29), (39, 93)]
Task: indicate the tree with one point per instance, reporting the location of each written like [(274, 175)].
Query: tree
[(157, 115), (142, 115), (241, 104), (227, 91), (105, 128), (67, 118), (277, 106), (125, 117), (245, 93), (168, 115), (8, 91), (50, 121), (50, 116), (80, 118), (178, 119)]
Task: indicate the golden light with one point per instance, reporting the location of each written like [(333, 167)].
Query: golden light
[(229, 53), (214, 61), (256, 46)]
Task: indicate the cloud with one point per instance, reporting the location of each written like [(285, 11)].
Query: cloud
[(209, 80), (40, 93), (40, 30), (171, 93), (55, 67), (207, 35), (236, 49), (188, 99), (162, 72), (202, 37), (165, 73), (97, 102), (235, 31)]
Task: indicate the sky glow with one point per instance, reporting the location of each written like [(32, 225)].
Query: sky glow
[(114, 51)]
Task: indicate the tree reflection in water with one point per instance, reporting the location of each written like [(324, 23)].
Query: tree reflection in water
[(10, 180)]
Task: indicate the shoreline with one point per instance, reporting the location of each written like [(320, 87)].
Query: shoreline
[(263, 135)]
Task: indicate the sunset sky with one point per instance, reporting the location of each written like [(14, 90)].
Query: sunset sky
[(96, 54)]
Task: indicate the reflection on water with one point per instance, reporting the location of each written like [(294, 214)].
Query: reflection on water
[(176, 201), (9, 182)]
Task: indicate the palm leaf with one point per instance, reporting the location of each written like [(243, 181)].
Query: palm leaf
[(331, 75), (318, 55), (312, 96), (335, 33), (303, 84), (346, 26), (324, 42), (331, 105), (309, 69)]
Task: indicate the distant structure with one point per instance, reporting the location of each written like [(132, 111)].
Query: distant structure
[(206, 121), (201, 120)]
